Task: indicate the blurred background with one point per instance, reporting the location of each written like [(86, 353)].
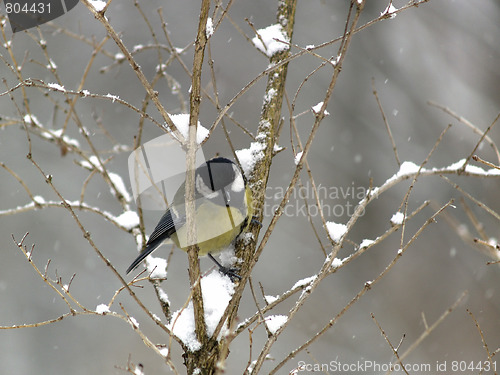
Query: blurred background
[(445, 51)]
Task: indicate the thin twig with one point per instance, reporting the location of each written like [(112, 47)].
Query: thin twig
[(475, 200), (387, 127), (485, 162), (394, 350), (430, 329), (479, 142), (469, 124)]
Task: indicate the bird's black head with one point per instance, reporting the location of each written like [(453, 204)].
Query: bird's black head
[(217, 174)]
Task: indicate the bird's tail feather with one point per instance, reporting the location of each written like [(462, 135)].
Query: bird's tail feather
[(148, 250)]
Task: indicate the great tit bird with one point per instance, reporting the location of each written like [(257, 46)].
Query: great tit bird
[(223, 210)]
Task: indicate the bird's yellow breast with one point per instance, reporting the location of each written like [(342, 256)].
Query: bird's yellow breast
[(216, 227)]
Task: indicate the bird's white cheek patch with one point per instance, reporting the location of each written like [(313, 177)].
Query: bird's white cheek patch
[(238, 183), (204, 190)]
